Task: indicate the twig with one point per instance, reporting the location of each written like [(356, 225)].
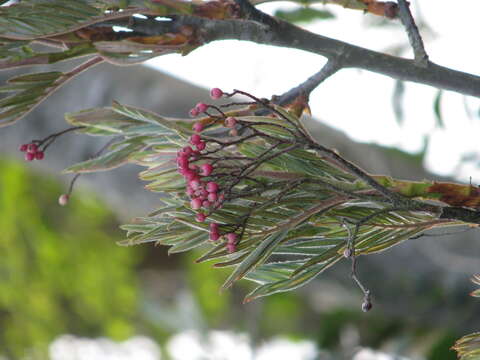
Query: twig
[(421, 57), (305, 88)]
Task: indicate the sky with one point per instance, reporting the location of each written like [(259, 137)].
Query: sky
[(354, 101)]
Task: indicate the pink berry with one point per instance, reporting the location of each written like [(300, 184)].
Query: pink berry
[(196, 204), (190, 192), (23, 147), (200, 217), (193, 112), (39, 155), (214, 236), (216, 93), (213, 227), (212, 197), (186, 151), (63, 199), (212, 187), (231, 238), (206, 204), (194, 184), (201, 145), (230, 122), (29, 156), (201, 107), (190, 175), (198, 127), (206, 169), (231, 248), (195, 139), (233, 132), (32, 148), (182, 162)]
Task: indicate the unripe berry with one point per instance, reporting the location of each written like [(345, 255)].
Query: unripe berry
[(63, 199), (201, 107), (29, 156), (196, 204), (206, 169), (39, 155), (201, 145), (195, 139), (198, 127), (200, 217), (212, 187), (230, 122), (32, 148), (216, 93), (347, 253), (23, 148), (366, 306)]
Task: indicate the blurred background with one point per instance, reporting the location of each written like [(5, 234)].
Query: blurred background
[(67, 291)]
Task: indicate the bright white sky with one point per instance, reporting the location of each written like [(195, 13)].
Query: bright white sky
[(359, 102)]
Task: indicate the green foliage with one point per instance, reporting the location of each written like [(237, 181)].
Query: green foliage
[(61, 272), (292, 230)]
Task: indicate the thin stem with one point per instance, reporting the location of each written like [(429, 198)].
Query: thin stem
[(421, 57)]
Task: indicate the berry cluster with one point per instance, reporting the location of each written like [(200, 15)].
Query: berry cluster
[(205, 194), (32, 151)]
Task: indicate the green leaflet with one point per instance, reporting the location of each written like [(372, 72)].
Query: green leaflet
[(108, 161), (256, 257), (468, 347)]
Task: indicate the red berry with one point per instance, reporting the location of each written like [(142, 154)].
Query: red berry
[(190, 192), (194, 184), (193, 112), (231, 248), (32, 148), (186, 151), (214, 236), (206, 169), (63, 199), (39, 155), (216, 93), (195, 139), (231, 238), (212, 197), (200, 217), (196, 204), (29, 156), (198, 127), (23, 147), (212, 187), (182, 162), (201, 145), (201, 107)]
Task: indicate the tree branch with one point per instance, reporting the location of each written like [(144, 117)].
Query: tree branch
[(283, 34)]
